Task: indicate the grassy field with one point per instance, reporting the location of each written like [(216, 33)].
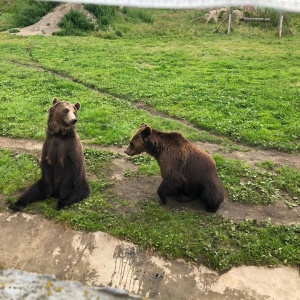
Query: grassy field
[(245, 89), (240, 88)]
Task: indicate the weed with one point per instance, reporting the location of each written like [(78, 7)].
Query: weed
[(245, 184), (147, 165), (14, 30), (20, 170)]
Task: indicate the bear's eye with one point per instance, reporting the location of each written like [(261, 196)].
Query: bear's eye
[(66, 110)]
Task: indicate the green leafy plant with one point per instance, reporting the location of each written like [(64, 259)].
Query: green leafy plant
[(75, 23)]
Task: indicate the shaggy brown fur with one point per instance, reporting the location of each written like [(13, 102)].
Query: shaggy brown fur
[(62, 161), (185, 169)]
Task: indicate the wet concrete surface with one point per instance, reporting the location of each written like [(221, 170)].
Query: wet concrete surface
[(35, 244)]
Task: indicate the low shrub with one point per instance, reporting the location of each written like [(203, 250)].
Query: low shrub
[(75, 23)]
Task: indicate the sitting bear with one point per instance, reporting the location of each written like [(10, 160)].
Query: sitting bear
[(62, 161), (185, 169)]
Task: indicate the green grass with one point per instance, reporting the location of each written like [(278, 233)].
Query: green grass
[(6, 21), (214, 82), (102, 119), (244, 183), (20, 170)]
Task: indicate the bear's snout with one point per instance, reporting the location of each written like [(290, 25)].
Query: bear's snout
[(73, 121)]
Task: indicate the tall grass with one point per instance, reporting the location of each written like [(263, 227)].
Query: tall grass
[(105, 15), (138, 15)]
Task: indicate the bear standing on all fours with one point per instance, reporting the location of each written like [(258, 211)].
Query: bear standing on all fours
[(62, 162), (185, 169)]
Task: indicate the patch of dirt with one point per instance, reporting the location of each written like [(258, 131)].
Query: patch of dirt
[(143, 188)]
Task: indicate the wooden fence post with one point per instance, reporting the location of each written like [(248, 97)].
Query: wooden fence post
[(230, 20), (280, 23)]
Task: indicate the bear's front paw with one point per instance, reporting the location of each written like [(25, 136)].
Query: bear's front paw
[(61, 204)]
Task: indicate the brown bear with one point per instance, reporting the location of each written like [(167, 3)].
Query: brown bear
[(62, 161), (186, 170)]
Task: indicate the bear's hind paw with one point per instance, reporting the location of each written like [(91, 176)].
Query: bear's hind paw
[(15, 207)]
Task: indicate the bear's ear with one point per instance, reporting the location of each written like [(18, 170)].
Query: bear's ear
[(54, 100), (77, 105), (145, 132)]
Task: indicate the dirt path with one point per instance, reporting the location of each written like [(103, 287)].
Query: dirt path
[(251, 156)]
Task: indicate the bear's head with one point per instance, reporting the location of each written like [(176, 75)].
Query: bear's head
[(62, 116), (140, 141)]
